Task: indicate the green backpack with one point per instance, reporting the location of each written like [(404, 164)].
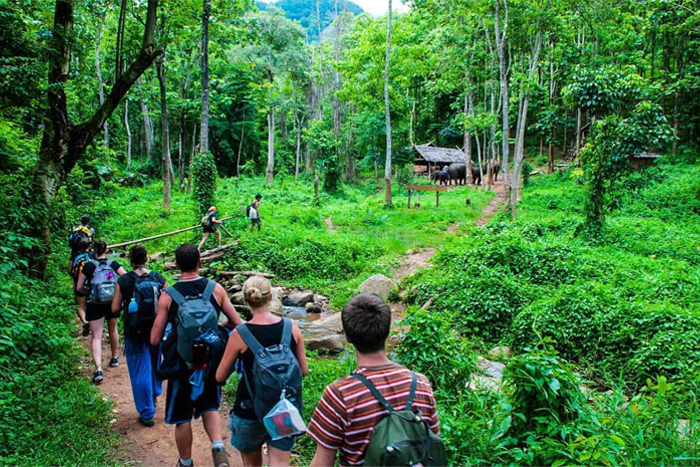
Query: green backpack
[(402, 437)]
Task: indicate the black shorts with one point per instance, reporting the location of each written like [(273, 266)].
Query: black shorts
[(255, 221), (180, 408), (94, 311), (210, 229)]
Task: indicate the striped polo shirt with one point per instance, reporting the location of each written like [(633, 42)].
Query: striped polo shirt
[(345, 417)]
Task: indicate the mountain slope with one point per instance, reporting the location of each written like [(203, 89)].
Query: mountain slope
[(304, 11)]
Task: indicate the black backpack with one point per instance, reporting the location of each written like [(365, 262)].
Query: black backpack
[(147, 291), (78, 233)]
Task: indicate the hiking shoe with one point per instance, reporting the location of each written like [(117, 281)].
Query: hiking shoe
[(147, 422), (180, 464), (114, 362), (97, 377), (86, 329), (220, 458)]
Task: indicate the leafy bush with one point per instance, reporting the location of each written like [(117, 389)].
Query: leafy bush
[(433, 348)]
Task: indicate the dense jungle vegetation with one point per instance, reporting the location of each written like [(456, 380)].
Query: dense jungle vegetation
[(140, 113)]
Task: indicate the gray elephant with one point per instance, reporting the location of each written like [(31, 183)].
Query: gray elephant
[(495, 168), (440, 177), (476, 175), (458, 173)]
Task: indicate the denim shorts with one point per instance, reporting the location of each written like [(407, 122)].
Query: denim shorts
[(249, 435)]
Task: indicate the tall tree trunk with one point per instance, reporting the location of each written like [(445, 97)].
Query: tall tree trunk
[(387, 110), (468, 137), (270, 172), (64, 142), (128, 133), (100, 81), (240, 151), (299, 122), (350, 163), (181, 154), (165, 138), (204, 136), (578, 132), (503, 74), (522, 123), (147, 127)]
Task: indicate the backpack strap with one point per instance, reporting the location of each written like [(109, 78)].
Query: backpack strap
[(412, 394), (209, 291), (377, 395), (176, 296), (250, 339), (286, 341)]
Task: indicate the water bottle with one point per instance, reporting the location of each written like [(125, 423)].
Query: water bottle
[(133, 309), (168, 330)]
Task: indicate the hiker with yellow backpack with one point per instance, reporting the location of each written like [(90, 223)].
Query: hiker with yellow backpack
[(80, 242)]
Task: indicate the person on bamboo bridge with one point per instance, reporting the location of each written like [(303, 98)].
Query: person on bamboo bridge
[(209, 223)]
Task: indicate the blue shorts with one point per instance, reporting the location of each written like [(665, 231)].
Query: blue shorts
[(249, 435)]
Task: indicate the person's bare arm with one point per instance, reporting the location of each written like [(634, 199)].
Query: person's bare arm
[(233, 350), (301, 351), (121, 271), (324, 457), (161, 319), (117, 300), (227, 308), (80, 287)]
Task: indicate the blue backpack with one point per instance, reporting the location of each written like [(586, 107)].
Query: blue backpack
[(147, 291), (276, 371)]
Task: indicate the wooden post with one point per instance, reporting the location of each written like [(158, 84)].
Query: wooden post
[(409, 199), (437, 199)]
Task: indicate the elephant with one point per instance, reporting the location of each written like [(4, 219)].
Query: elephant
[(440, 177), (476, 175), (458, 173), (495, 168)]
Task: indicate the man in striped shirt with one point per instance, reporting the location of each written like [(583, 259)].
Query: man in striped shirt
[(347, 413)]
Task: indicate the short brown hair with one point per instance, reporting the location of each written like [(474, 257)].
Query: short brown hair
[(367, 322), (138, 255), (187, 257)]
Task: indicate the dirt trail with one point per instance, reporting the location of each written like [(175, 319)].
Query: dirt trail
[(155, 447), (330, 225), (151, 447), (420, 258)]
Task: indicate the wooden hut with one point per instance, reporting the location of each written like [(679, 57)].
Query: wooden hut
[(429, 158)]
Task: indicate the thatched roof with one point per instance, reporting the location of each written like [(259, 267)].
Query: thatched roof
[(439, 155)]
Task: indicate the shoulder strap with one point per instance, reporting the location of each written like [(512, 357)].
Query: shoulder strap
[(377, 395), (286, 333), (250, 339), (206, 296), (412, 394), (175, 295)]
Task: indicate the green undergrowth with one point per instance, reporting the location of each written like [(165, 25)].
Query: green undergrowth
[(617, 312), (296, 243)]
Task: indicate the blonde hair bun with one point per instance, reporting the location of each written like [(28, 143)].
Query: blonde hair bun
[(257, 291)]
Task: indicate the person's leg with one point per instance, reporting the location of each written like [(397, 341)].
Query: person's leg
[(212, 425), (218, 234), (252, 224), (138, 362), (156, 385), (204, 239), (279, 458), (113, 336), (183, 440), (96, 328), (252, 459)]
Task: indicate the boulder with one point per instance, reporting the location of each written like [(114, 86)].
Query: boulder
[(325, 342), (276, 307), (169, 266), (500, 352), (332, 323), (298, 299), (380, 285), (235, 288), (156, 256), (492, 369), (314, 308), (244, 311), (237, 298), (321, 299)]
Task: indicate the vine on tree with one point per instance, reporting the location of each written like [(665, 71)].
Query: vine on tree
[(204, 180)]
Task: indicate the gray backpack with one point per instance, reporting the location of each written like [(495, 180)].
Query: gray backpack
[(275, 369), (195, 317), (103, 282)]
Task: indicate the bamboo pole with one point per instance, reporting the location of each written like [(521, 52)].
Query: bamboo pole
[(133, 242)]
